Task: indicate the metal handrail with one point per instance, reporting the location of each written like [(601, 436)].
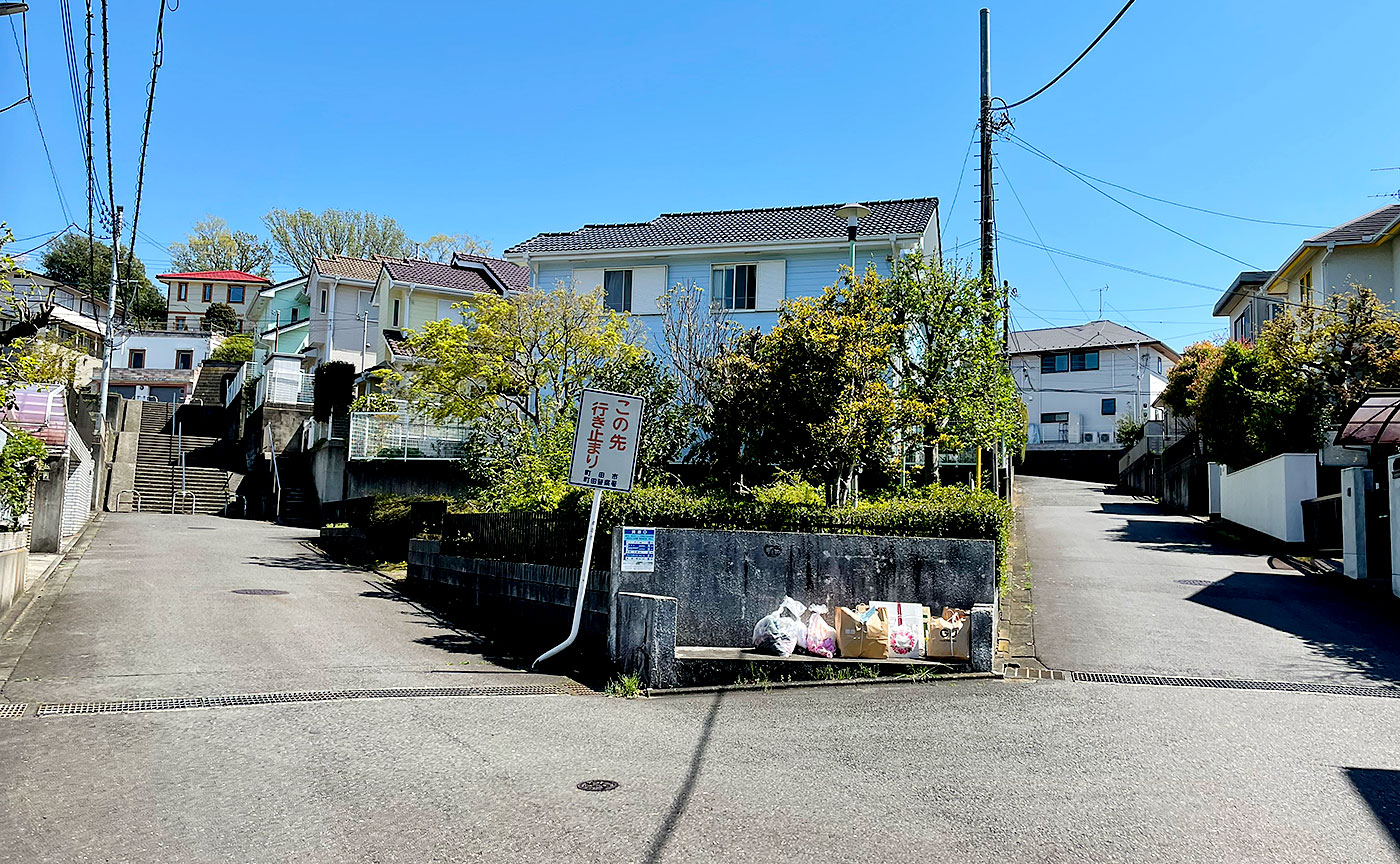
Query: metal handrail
[(276, 477), (181, 493), (242, 504), (135, 497)]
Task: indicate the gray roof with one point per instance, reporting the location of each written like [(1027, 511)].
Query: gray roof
[(510, 274), (811, 222), (439, 275), (1243, 282), (1095, 334), (152, 376), (1362, 229)]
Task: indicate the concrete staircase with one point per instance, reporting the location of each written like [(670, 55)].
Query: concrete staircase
[(158, 472)]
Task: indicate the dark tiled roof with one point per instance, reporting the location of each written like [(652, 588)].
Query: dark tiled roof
[(397, 344), (511, 275), (1362, 229), (1246, 280), (359, 269), (814, 222), (152, 376), (438, 275), (1095, 334)]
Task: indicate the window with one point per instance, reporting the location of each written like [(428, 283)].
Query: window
[(445, 312), (180, 323), (136, 358), (324, 294), (1083, 361), (1059, 417), (734, 286), (183, 292), (1109, 407), (364, 305), (1054, 363), (396, 311), (295, 310), (617, 290), (207, 292), (235, 293), (1305, 286), (184, 359)]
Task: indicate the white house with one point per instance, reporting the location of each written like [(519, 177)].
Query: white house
[(159, 364), (1078, 382), (1360, 252), (341, 291)]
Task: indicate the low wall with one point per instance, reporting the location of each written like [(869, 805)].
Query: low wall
[(1268, 496), (407, 477), (14, 562), (724, 581)]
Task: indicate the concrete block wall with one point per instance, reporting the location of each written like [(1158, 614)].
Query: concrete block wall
[(14, 562)]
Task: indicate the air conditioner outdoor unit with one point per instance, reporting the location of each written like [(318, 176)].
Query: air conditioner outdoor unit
[(1088, 437), (1104, 437)]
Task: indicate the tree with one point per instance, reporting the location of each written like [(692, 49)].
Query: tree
[(300, 235), (66, 261), (210, 245), (950, 355), (695, 335), (516, 368), (220, 318), (441, 247), (234, 349)]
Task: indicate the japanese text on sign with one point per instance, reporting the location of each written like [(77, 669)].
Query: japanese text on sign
[(605, 442)]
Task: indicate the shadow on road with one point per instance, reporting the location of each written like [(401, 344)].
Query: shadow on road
[(682, 799), (1351, 623), (1381, 790), (301, 562), (455, 639)]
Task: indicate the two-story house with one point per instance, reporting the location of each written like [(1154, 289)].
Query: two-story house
[(77, 320), (341, 294), (188, 296), (1362, 252), (1078, 382), (281, 317), (750, 261)]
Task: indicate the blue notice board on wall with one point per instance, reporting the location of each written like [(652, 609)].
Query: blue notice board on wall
[(639, 549)]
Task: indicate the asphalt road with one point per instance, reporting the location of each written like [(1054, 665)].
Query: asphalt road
[(1121, 586)]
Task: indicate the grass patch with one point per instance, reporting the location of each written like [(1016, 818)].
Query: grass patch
[(624, 687)]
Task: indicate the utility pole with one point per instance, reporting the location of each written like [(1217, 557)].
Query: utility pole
[(111, 308), (988, 220), (364, 338)]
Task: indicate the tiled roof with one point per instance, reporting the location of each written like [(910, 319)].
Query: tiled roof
[(152, 376), (438, 275), (1362, 229), (398, 345), (1095, 334), (217, 276), (345, 267), (813, 222), (511, 275), (1243, 282)]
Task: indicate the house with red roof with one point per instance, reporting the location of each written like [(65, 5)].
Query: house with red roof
[(188, 296)]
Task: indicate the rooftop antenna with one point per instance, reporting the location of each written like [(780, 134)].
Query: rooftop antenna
[(1101, 290)]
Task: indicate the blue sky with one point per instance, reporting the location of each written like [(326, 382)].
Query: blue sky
[(507, 119)]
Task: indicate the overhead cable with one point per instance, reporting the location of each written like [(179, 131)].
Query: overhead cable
[(1076, 60)]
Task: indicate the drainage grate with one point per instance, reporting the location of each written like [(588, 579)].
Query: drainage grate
[(1031, 674), (597, 786), (1237, 684), (127, 706), (258, 592), (1199, 582), (12, 709)]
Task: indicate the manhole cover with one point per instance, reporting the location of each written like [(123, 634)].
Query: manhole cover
[(260, 592), (597, 785)]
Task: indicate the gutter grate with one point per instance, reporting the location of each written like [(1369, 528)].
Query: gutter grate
[(12, 709), (128, 706), (1237, 684)]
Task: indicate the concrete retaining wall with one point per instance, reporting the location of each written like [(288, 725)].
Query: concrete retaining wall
[(14, 561), (1268, 496)]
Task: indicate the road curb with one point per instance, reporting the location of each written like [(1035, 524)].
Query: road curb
[(792, 685)]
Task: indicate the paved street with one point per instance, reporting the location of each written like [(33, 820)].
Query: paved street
[(984, 771), (1121, 586)]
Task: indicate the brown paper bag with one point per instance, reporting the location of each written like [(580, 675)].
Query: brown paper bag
[(868, 639), (949, 636)]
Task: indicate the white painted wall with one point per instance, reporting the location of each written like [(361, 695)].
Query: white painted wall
[(160, 347), (1268, 496), (1081, 394)]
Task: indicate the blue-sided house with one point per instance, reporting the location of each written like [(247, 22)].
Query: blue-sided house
[(750, 260)]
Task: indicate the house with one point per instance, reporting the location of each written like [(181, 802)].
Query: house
[(281, 317), (1362, 252), (159, 364), (77, 320), (749, 260), (1078, 382), (340, 291), (188, 296), (410, 292)]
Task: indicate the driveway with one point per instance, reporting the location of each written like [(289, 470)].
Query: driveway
[(1120, 585), (157, 607)]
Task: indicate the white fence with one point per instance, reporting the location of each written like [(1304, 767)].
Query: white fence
[(1268, 496), (235, 386), (392, 435), (281, 387)]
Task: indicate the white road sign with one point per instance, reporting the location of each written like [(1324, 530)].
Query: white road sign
[(605, 442)]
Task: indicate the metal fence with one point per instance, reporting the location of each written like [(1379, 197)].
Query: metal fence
[(287, 388), (393, 435)]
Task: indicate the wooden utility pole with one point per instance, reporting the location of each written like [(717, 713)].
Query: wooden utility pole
[(988, 220)]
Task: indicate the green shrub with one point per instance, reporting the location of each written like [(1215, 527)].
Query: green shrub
[(234, 349), (334, 389), (374, 402), (20, 460), (938, 511)]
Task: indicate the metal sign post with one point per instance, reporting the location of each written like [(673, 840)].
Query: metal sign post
[(605, 457)]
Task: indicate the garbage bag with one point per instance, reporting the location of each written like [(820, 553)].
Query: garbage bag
[(781, 630), (820, 638)]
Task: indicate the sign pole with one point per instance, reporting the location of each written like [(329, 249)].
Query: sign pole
[(582, 581)]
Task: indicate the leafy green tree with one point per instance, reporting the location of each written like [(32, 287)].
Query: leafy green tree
[(234, 349), (220, 318), (300, 235), (211, 245), (66, 261)]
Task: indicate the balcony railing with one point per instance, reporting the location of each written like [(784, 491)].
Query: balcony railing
[(395, 435), (281, 387)]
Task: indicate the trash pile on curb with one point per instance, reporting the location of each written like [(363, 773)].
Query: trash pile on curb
[(879, 630)]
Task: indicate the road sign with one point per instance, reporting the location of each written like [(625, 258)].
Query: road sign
[(605, 441)]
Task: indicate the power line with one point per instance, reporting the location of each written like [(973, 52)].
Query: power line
[(958, 188), (1076, 60), (38, 124), (1022, 241), (157, 58), (1029, 221)]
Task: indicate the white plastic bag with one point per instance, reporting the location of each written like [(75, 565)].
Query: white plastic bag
[(906, 629), (781, 630), (820, 638)]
